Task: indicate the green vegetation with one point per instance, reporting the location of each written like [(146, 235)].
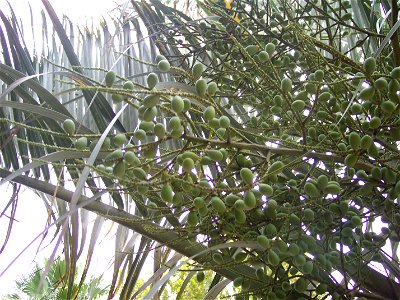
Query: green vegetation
[(262, 143)]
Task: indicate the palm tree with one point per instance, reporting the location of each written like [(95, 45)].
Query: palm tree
[(257, 139), (53, 286)]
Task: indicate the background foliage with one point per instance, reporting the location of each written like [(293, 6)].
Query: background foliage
[(257, 138)]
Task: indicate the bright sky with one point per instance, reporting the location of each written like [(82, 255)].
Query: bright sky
[(31, 213)]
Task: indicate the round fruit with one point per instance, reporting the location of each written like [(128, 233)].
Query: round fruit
[(81, 143), (369, 65), (115, 155), (276, 168), (166, 193), (366, 142), (212, 88), (270, 48), (218, 204), (224, 122), (146, 126), (263, 241), (215, 155), (367, 93), (159, 58), (286, 85), (308, 215), (139, 173), (301, 285), (250, 200), (298, 105), (322, 182), (140, 134), (200, 276), (159, 130), (263, 56), (350, 160), (69, 126), (240, 216), (128, 85), (199, 202), (174, 123), (201, 87), (119, 139), (131, 158), (355, 140), (273, 258), (151, 100), (163, 65), (311, 190), (177, 104), (187, 164), (319, 75), (197, 70), (117, 98), (110, 78), (209, 113), (388, 106), (192, 219), (152, 80), (266, 189), (381, 83), (119, 169), (247, 175)]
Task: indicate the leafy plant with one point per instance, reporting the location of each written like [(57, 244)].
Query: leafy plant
[(261, 143)]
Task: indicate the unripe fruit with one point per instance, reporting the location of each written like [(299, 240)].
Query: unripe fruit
[(152, 80), (224, 122), (190, 154), (159, 130), (298, 105), (117, 98), (367, 93), (263, 56), (151, 100), (163, 65), (217, 257), (273, 258), (286, 85), (200, 276), (69, 126), (308, 215), (355, 140), (270, 48), (250, 200), (375, 122), (311, 190), (119, 139), (263, 241), (218, 204), (350, 160), (119, 169), (369, 65), (177, 104), (149, 114), (131, 158), (139, 173), (110, 78), (187, 164), (366, 142), (128, 85), (215, 155), (381, 83), (240, 216), (308, 267), (301, 285), (146, 126), (388, 106), (115, 155), (322, 182), (209, 113), (299, 260), (356, 108), (246, 175), (293, 250), (199, 202), (192, 219), (81, 143), (276, 168), (266, 189), (159, 58), (174, 123), (197, 70), (252, 49), (212, 88), (201, 87), (319, 75), (167, 193), (186, 104), (140, 134)]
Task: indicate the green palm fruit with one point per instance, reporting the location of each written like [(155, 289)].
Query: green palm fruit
[(128, 85), (369, 65), (224, 122), (69, 126), (266, 189), (119, 169), (117, 98), (151, 100), (215, 155), (146, 126), (81, 143), (218, 204), (131, 158), (276, 168), (159, 130), (110, 78), (197, 70), (167, 193), (174, 123), (164, 65), (119, 139), (350, 160), (286, 85), (152, 80), (298, 105), (140, 134), (159, 58), (246, 175), (201, 87), (200, 276), (273, 258), (240, 216), (270, 48), (250, 200), (366, 142), (311, 190), (139, 173), (319, 75), (187, 164), (192, 219), (355, 140), (177, 104), (212, 88), (264, 242)]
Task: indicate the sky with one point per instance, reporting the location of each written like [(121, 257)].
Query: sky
[(30, 205)]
